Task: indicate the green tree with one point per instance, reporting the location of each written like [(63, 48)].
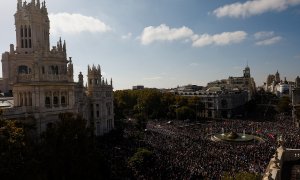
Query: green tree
[(242, 176), (185, 112), (13, 150), (284, 104), (141, 160)]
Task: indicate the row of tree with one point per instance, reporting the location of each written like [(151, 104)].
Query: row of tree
[(153, 104)]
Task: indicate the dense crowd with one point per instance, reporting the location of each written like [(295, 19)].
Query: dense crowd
[(185, 150)]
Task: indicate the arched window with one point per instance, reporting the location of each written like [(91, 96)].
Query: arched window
[(25, 31), (63, 101), (22, 33), (43, 70), (48, 102), (23, 70), (55, 101), (29, 31), (56, 70), (26, 43)]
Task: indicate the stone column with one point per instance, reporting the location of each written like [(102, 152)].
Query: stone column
[(23, 96)]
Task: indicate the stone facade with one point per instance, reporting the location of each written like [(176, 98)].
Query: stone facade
[(223, 104), (283, 165), (277, 86), (41, 80), (296, 102), (244, 83)]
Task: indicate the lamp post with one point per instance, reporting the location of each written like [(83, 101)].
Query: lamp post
[(176, 105), (196, 111)]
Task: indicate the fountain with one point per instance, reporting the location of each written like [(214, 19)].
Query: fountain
[(244, 134), (233, 137), (222, 132)]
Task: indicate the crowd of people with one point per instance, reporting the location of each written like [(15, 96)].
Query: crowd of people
[(185, 150)]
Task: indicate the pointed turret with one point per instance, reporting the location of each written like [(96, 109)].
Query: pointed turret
[(277, 77), (80, 79), (19, 5), (64, 47)]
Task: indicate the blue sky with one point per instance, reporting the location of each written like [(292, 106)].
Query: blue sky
[(165, 43)]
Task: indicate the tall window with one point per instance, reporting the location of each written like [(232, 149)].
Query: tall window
[(55, 101), (25, 33), (63, 101), (22, 33), (29, 32), (48, 102)]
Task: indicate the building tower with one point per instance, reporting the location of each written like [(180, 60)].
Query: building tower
[(100, 97), (32, 27), (247, 72), (40, 79), (277, 77)]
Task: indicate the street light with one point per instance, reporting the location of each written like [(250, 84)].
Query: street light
[(176, 105)]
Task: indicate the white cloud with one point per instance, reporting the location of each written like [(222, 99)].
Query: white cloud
[(253, 7), (297, 56), (76, 23), (224, 38), (263, 35), (127, 36), (194, 64), (269, 41), (164, 33), (152, 78)]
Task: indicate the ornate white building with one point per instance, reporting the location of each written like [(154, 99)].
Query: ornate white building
[(41, 80), (245, 83)]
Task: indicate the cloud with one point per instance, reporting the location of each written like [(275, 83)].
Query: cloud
[(194, 64), (224, 38), (253, 7), (269, 41), (76, 23), (297, 57), (237, 67), (152, 78), (127, 36), (164, 33), (263, 35)]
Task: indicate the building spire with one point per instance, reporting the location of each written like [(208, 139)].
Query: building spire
[(38, 4), (64, 46), (19, 6)]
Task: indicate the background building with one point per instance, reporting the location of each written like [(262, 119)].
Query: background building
[(244, 83), (277, 86), (296, 102)]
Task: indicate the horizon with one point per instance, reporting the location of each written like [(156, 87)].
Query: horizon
[(173, 43)]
